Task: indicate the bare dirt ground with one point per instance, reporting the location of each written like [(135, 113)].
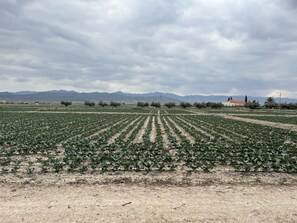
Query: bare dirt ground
[(139, 136), (201, 197), (153, 133)]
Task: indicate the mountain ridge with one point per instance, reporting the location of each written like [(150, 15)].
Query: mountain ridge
[(59, 95)]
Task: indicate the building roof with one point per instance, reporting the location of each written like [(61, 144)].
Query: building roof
[(237, 102)]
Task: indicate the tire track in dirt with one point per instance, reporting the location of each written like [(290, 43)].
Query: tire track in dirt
[(190, 138), (139, 136), (290, 127), (114, 137)]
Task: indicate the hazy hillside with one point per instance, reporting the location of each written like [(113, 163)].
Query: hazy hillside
[(57, 96)]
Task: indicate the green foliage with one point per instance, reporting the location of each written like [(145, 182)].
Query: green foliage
[(115, 104), (142, 104), (81, 143), (252, 105), (291, 106), (170, 105), (66, 103), (200, 105), (185, 105), (89, 103), (214, 105), (270, 103), (102, 104), (156, 104)]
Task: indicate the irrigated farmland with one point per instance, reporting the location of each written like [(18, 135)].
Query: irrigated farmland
[(154, 140)]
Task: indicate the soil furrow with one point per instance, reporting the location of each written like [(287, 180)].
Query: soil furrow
[(153, 133), (139, 136)]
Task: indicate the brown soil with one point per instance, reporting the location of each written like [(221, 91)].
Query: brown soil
[(201, 197), (139, 136), (153, 133)]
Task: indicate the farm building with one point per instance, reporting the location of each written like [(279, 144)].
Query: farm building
[(234, 103)]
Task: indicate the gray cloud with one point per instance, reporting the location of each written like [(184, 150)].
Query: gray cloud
[(186, 47)]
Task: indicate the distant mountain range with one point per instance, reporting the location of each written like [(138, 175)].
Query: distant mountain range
[(60, 95)]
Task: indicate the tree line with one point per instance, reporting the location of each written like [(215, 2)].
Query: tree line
[(270, 103)]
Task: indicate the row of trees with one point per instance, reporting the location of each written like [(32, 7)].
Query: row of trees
[(92, 103), (102, 104), (269, 103), (182, 104)]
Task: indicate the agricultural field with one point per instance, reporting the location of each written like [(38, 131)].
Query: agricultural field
[(72, 108), (163, 140), (245, 111), (278, 119)]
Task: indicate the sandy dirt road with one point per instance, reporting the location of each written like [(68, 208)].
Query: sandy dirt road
[(124, 203)]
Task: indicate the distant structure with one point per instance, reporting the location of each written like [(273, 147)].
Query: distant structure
[(235, 103)]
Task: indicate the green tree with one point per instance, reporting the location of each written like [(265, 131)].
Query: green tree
[(270, 103), (102, 103), (170, 104), (66, 103)]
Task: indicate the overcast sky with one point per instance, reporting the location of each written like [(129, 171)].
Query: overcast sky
[(181, 46)]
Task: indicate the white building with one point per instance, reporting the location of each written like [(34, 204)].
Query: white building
[(234, 103)]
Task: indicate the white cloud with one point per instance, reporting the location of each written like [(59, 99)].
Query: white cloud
[(186, 47)]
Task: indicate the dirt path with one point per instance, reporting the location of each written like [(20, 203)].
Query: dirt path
[(115, 203), (139, 136), (268, 115), (183, 131), (266, 123), (153, 133)]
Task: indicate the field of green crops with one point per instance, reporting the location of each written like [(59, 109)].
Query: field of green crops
[(152, 140), (280, 119)]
